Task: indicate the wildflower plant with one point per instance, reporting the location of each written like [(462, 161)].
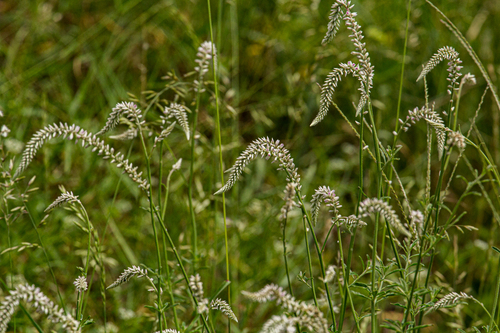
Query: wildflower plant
[(374, 252)]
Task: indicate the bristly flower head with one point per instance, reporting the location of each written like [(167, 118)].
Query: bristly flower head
[(433, 119), (32, 295), (307, 315), (218, 304), (448, 53), (289, 199), (81, 284), (456, 139), (128, 274), (73, 132), (4, 131), (328, 196), (164, 134), (451, 299), (363, 70), (329, 274), (66, 197), (280, 324), (370, 206), (204, 60), (123, 109), (266, 148), (179, 112), (335, 18), (197, 289)]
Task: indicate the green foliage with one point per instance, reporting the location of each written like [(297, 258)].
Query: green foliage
[(72, 62)]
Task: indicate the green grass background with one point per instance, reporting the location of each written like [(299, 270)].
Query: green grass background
[(72, 61)]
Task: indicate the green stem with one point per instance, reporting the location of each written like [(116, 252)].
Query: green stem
[(309, 261), (320, 256), (495, 303), (353, 236), (151, 205), (341, 250), (46, 257), (285, 255), (377, 217), (217, 121), (165, 251)]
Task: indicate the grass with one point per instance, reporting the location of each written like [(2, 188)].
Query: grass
[(73, 62)]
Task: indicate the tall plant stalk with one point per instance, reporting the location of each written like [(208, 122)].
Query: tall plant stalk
[(219, 137)]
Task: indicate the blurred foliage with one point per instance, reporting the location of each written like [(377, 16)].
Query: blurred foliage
[(72, 61)]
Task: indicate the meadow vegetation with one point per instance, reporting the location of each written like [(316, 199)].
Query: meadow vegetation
[(224, 166)]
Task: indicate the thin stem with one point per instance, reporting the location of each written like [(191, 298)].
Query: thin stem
[(217, 121), (190, 183), (309, 262), (46, 257), (495, 303), (353, 236), (151, 205), (285, 255), (320, 256), (163, 208), (377, 217), (339, 236)]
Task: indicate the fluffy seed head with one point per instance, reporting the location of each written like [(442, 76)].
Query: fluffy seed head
[(123, 109), (128, 274), (308, 315), (81, 284), (197, 288), (370, 206), (32, 295), (218, 304), (179, 112), (66, 197), (204, 60), (451, 299), (266, 148), (73, 132), (289, 199), (328, 196)]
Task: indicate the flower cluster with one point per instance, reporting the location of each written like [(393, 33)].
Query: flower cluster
[(164, 134), (179, 112), (128, 274), (329, 274), (289, 199), (370, 206), (205, 52), (328, 196), (330, 85), (306, 315), (351, 222), (362, 71), (335, 18), (80, 284), (218, 304), (266, 148), (433, 119), (280, 324), (129, 134), (451, 299), (32, 295), (125, 109), (74, 132), (66, 197), (197, 289), (456, 139), (448, 53)]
